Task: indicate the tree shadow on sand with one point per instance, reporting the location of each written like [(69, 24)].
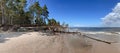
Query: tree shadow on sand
[(6, 35)]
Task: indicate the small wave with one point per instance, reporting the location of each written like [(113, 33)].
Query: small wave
[(106, 33)]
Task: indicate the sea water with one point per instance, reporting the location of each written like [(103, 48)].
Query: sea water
[(98, 29), (110, 34)]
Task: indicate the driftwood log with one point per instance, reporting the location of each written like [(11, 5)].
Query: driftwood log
[(84, 36), (98, 39)]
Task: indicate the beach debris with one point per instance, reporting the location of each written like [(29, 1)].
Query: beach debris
[(98, 39)]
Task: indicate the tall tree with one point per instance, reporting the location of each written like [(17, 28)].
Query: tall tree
[(10, 11), (3, 7), (36, 10), (45, 12), (19, 16)]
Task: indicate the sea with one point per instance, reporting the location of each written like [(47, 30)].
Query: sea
[(109, 34), (96, 29)]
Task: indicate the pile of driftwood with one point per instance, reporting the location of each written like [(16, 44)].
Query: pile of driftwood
[(31, 28), (9, 27)]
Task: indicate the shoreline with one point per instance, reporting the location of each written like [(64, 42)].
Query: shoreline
[(38, 42)]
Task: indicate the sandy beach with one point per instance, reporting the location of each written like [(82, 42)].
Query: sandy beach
[(38, 42)]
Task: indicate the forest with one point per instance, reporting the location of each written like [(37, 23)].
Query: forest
[(14, 12)]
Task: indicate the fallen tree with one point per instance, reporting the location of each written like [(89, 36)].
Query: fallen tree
[(98, 39), (85, 36)]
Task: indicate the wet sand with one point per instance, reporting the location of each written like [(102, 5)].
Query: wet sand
[(37, 42)]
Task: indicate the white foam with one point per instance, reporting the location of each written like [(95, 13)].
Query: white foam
[(106, 33)]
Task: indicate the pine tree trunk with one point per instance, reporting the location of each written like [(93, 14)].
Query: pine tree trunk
[(2, 13), (0, 19)]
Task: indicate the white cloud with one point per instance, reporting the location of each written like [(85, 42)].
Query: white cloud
[(113, 18)]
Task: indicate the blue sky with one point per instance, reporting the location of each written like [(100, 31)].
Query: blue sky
[(87, 13)]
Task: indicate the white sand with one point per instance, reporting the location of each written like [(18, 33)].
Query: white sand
[(36, 42)]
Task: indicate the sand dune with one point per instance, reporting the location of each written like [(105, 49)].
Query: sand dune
[(37, 42)]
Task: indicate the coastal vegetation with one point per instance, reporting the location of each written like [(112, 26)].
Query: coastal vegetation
[(19, 13)]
